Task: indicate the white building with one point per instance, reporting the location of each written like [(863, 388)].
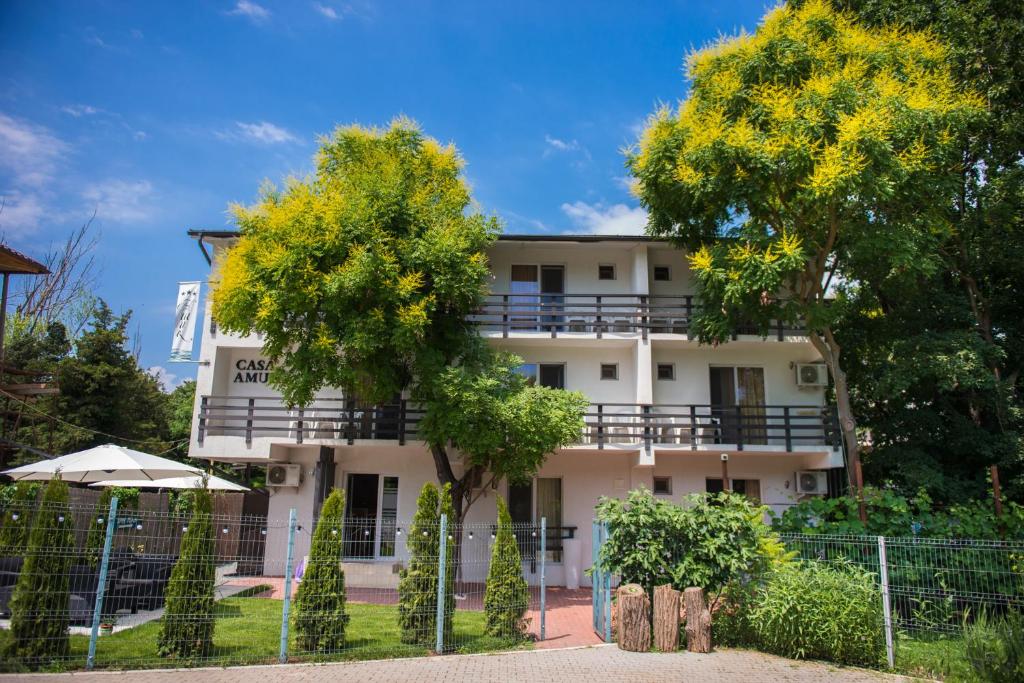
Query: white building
[(607, 316)]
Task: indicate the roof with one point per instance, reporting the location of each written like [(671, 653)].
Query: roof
[(12, 261), (228, 234)]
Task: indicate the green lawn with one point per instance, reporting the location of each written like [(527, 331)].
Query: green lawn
[(935, 657), (248, 631)]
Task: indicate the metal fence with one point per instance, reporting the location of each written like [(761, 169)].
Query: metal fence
[(103, 596)]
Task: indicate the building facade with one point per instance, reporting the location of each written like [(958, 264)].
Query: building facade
[(607, 316)]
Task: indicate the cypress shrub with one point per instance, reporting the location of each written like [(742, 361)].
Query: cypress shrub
[(320, 617), (186, 630), (446, 508), (507, 595), (17, 515), (417, 585), (127, 499), (39, 606)]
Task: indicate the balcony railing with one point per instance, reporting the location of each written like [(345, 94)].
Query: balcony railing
[(597, 314), (696, 426)]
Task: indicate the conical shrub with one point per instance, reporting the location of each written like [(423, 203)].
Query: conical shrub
[(507, 596), (16, 522), (320, 617), (186, 630), (39, 606), (417, 585)]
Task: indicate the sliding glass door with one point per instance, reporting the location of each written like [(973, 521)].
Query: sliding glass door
[(370, 516), (738, 400)]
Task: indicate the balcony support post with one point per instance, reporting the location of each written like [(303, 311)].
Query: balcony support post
[(600, 426), (646, 410), (643, 315), (598, 324), (351, 406), (202, 420), (248, 421), (693, 427), (787, 427), (504, 315), (401, 422), (301, 426)]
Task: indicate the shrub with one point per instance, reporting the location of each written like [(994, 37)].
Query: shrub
[(995, 648), (17, 512), (186, 630), (813, 611), (320, 617), (712, 540), (417, 585), (507, 595), (39, 606), (127, 499)]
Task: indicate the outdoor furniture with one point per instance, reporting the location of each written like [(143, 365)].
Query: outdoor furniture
[(145, 587), (10, 569)]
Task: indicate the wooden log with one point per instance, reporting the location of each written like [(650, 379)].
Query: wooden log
[(634, 627), (666, 618), (698, 621)]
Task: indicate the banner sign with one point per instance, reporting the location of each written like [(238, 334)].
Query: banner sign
[(185, 321)]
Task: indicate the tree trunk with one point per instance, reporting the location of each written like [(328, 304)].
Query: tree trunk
[(666, 618), (698, 621), (634, 620)]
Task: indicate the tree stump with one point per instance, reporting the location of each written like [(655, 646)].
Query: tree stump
[(666, 618), (634, 633), (698, 621)]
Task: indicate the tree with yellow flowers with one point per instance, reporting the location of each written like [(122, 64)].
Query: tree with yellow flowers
[(805, 152)]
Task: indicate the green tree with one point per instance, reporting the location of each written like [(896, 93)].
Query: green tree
[(320, 617), (17, 517), (507, 596), (417, 584), (39, 606), (812, 150), (362, 277), (186, 630)]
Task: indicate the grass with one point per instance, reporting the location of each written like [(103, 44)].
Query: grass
[(932, 656), (248, 631)]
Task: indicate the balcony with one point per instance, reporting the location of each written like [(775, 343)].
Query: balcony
[(597, 314), (682, 426)]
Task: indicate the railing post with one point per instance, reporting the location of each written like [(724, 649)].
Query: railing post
[(787, 427), (202, 419), (739, 428), (286, 607), (598, 324), (101, 585), (693, 427), (646, 410), (351, 404), (401, 422), (442, 547), (883, 567), (301, 426), (248, 422), (504, 315), (600, 426), (643, 315), (543, 566), (778, 324), (689, 313)]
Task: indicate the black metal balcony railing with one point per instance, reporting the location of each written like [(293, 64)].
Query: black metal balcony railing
[(693, 425), (598, 314)]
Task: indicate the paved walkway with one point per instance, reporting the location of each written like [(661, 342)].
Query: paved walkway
[(579, 665)]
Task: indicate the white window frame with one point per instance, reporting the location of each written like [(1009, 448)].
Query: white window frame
[(379, 516)]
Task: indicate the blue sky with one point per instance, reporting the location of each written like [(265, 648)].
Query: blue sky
[(157, 115)]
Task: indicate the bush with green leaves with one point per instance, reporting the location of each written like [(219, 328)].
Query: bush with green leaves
[(417, 584), (711, 540), (16, 511), (995, 647), (39, 607), (320, 617), (507, 595), (127, 499), (186, 630), (808, 610)]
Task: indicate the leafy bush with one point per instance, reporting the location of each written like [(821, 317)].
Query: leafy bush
[(710, 541), (995, 648), (16, 507), (39, 606), (127, 499), (808, 610), (186, 630), (507, 595), (417, 584), (320, 617)]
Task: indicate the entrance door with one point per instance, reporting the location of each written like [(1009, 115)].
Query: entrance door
[(361, 515), (552, 290), (524, 286), (733, 387)]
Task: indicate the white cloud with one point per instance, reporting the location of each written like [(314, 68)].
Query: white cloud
[(140, 135), (121, 201), (167, 379), (30, 152), (79, 110), (250, 10), (327, 11), (20, 214), (555, 144), (262, 132), (597, 219)]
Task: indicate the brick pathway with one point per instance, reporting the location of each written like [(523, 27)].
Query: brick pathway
[(579, 665)]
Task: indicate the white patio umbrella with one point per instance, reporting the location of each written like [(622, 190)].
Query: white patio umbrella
[(103, 462), (191, 481)]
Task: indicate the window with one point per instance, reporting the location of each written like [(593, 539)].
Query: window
[(662, 273), (667, 371), (742, 388), (545, 374), (527, 505), (610, 371), (663, 486), (372, 509), (751, 488), (606, 271)]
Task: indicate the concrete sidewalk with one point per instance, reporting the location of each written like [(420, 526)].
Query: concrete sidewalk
[(577, 665)]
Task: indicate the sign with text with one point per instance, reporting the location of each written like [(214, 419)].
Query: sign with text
[(251, 371)]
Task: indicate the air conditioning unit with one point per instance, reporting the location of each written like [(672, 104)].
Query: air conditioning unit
[(812, 483), (284, 475), (811, 375)]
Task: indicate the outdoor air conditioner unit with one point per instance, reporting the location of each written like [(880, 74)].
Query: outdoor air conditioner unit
[(811, 375), (812, 483), (284, 475)]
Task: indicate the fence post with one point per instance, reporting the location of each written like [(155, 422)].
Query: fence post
[(883, 566), (606, 587), (442, 548), (543, 563), (97, 610), (285, 608)]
